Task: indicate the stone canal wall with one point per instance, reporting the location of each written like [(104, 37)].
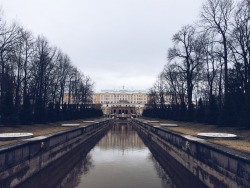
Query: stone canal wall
[(20, 161), (214, 165)]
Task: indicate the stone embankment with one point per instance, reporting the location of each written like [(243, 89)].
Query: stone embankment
[(21, 160), (212, 164)]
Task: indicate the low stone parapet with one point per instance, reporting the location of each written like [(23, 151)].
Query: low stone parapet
[(20, 161), (214, 165)]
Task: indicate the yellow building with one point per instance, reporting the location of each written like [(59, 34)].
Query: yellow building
[(109, 99)]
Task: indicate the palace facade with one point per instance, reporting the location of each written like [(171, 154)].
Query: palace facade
[(121, 101)]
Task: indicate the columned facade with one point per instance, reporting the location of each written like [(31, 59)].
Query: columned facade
[(121, 101)]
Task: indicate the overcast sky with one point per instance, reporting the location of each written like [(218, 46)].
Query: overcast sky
[(115, 42)]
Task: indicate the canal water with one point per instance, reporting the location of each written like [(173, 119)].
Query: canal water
[(120, 160)]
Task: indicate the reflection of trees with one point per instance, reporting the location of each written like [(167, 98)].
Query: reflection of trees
[(87, 164), (64, 173), (172, 173), (72, 179), (67, 170), (165, 179), (121, 137)]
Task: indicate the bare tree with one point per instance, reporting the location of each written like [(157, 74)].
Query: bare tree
[(42, 66), (188, 53), (215, 17), (154, 97), (175, 83), (212, 63), (240, 44), (35, 77), (65, 68), (86, 90), (8, 41), (22, 59)]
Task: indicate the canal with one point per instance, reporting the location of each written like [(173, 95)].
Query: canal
[(119, 159)]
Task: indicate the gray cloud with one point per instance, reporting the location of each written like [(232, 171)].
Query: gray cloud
[(116, 42)]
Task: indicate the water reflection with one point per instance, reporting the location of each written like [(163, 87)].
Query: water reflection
[(120, 159), (73, 178), (65, 172), (166, 180), (121, 137)]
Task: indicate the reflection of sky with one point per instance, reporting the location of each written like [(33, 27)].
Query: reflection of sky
[(121, 137), (120, 159), (124, 163), (111, 154), (115, 168)]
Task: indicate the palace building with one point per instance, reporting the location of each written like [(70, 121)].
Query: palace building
[(121, 101)]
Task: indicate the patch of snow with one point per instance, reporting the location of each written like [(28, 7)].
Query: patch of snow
[(169, 125), (10, 136), (216, 135), (70, 125), (153, 121)]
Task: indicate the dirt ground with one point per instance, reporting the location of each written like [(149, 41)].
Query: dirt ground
[(242, 143), (40, 129)]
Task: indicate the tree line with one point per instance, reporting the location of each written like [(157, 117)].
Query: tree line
[(38, 82), (207, 75)]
